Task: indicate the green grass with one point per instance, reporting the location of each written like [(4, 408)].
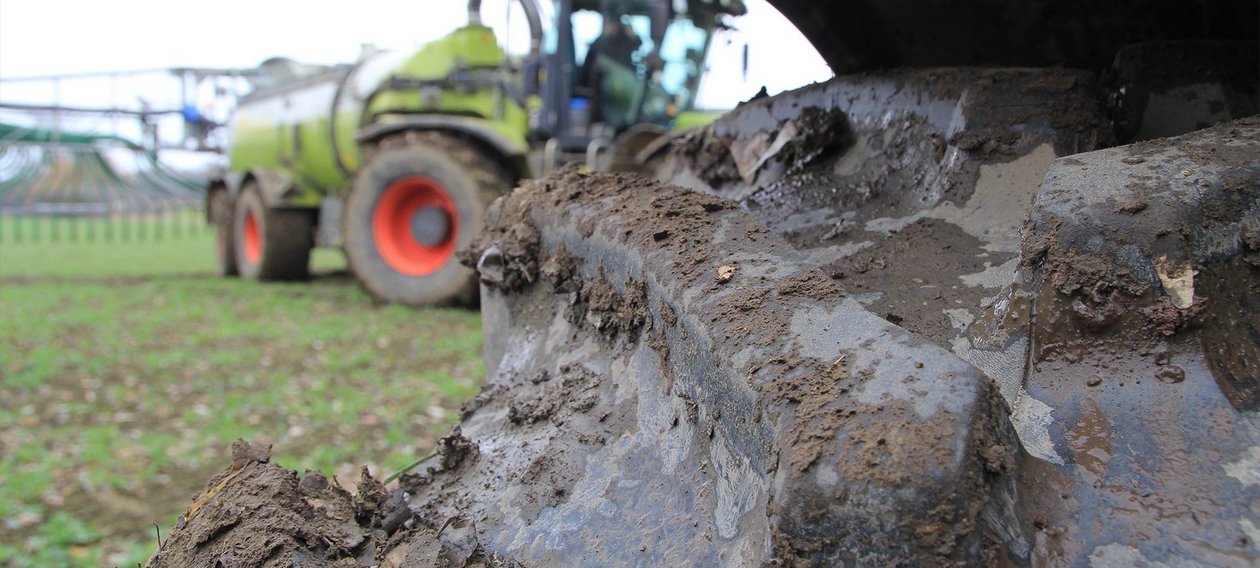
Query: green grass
[(127, 371), (48, 247)]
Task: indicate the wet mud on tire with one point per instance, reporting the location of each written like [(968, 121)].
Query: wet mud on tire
[(675, 391), (661, 344)]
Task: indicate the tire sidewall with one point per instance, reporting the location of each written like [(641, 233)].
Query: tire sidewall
[(249, 202), (450, 281), (223, 214)]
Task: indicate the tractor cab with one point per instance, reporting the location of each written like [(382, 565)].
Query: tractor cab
[(610, 65)]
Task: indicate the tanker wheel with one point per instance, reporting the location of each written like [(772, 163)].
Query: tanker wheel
[(221, 215), (271, 243), (418, 200)]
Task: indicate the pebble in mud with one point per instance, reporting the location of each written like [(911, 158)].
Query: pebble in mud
[(1096, 317), (1093, 380), (1170, 374)]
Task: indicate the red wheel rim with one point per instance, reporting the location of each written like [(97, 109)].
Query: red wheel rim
[(252, 243), (394, 224)]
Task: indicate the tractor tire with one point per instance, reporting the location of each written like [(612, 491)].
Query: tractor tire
[(271, 243), (221, 214), (419, 199)]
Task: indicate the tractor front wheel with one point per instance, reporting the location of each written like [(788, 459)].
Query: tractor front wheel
[(417, 201), (271, 243)]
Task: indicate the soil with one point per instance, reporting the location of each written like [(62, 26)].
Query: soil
[(256, 513), (1137, 309), (710, 154), (1116, 284), (515, 264), (910, 271), (608, 310)]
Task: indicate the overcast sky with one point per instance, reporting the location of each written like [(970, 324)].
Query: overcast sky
[(49, 37)]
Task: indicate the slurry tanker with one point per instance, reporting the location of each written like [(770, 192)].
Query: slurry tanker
[(396, 157)]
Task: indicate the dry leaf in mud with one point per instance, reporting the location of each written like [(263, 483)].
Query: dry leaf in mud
[(1178, 281), (726, 272)]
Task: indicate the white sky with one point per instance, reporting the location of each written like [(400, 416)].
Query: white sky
[(48, 37)]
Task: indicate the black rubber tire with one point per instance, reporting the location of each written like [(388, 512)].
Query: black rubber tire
[(285, 236), (222, 214), (472, 180)]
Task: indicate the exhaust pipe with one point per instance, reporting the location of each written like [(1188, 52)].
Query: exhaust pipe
[(532, 17)]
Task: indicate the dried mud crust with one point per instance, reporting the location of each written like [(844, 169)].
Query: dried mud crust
[(512, 262), (796, 143), (661, 220), (709, 154)]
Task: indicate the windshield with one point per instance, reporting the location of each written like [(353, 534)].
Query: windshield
[(683, 53), (611, 60)]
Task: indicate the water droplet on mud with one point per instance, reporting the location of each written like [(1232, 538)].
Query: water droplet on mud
[(1170, 374)]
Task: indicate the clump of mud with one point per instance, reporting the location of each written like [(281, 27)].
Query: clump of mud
[(674, 220), (506, 257), (608, 310), (256, 513), (721, 158), (709, 153)]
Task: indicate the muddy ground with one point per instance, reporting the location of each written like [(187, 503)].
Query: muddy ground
[(122, 394)]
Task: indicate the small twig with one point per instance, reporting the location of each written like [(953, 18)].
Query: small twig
[(158, 530), (410, 467), (448, 522)]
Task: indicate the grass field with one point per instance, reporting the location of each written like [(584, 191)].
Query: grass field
[(127, 371)]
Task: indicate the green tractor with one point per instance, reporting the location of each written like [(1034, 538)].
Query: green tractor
[(396, 157)]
